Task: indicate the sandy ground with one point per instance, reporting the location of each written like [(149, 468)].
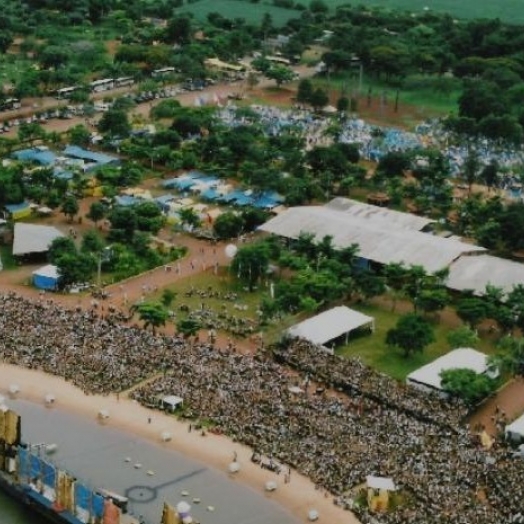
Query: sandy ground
[(298, 496)]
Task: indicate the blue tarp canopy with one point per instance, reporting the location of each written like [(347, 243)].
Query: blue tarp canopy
[(36, 154), (48, 474), (126, 200), (13, 208), (90, 156), (210, 194), (63, 175), (82, 496)]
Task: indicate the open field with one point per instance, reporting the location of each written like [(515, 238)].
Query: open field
[(511, 11)]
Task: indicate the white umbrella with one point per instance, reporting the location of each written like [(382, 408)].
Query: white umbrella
[(234, 467), (166, 436), (49, 398), (103, 414), (231, 250), (14, 389), (183, 507), (312, 515), (271, 485)]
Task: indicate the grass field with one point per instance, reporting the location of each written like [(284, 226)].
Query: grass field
[(374, 352), (511, 11)]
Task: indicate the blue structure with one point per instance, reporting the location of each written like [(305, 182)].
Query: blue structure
[(37, 155), (46, 278), (97, 159), (126, 200)]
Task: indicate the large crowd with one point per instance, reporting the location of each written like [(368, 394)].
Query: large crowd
[(334, 420)]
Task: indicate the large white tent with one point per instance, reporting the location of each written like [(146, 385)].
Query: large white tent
[(515, 430), (32, 238), (379, 240), (330, 325), (428, 376), (475, 273)]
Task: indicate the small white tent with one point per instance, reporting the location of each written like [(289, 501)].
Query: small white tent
[(515, 430)]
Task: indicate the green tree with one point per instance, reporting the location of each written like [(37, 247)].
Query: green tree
[(92, 242), (228, 225), (152, 314), (189, 327), (75, 268), (462, 337), (280, 74), (411, 334), (29, 132), (251, 263), (510, 356), (167, 298), (97, 211), (319, 99), (79, 135), (70, 207), (189, 218), (472, 310), (467, 385), (115, 123), (304, 91), (60, 246)]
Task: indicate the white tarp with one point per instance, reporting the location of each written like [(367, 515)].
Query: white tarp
[(32, 238), (49, 271), (172, 401), (376, 241), (463, 358), (380, 483), (515, 430), (330, 324)]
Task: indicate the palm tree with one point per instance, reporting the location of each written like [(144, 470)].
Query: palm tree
[(152, 314)]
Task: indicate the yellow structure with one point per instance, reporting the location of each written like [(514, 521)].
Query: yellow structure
[(379, 489)]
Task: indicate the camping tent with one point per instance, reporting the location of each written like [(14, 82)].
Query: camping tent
[(330, 325), (46, 277)]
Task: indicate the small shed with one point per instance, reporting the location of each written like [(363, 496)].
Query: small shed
[(330, 325), (47, 277), (171, 402), (18, 211)]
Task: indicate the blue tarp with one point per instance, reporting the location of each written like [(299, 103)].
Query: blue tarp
[(90, 156), (45, 282), (126, 200), (82, 496), (35, 466), (98, 505), (23, 458), (63, 175), (210, 194), (13, 208), (48, 474), (36, 154)]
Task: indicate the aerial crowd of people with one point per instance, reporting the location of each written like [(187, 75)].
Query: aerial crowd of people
[(332, 419)]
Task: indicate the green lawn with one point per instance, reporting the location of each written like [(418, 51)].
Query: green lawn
[(511, 11), (374, 352)]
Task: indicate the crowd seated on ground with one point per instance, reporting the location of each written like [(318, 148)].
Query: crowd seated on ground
[(366, 425)]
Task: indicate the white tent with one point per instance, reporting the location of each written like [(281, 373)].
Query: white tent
[(515, 430), (32, 238), (384, 483), (330, 324), (171, 402), (428, 376)]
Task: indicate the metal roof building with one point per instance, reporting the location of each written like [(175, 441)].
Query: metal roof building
[(475, 273), (31, 238), (428, 376), (330, 325), (379, 239)]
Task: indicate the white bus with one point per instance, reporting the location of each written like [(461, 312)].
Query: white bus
[(124, 81), (105, 84), (10, 103), (65, 92), (162, 72)]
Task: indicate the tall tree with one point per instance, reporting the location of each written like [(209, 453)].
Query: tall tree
[(411, 334)]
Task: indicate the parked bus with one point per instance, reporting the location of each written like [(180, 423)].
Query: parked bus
[(124, 81), (163, 71), (105, 84), (9, 103), (65, 92), (278, 60)]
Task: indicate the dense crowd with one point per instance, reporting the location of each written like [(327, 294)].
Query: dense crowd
[(366, 425)]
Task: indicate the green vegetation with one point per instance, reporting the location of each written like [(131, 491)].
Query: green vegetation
[(251, 13)]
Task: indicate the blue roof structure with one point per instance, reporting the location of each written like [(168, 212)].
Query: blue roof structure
[(13, 208), (238, 198), (37, 155), (210, 194), (126, 200), (90, 156), (63, 175)]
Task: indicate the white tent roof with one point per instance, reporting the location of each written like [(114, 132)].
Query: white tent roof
[(477, 272), (463, 358), (329, 325), (389, 217), (516, 427), (380, 483), (377, 240), (49, 271), (172, 400), (31, 238)]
